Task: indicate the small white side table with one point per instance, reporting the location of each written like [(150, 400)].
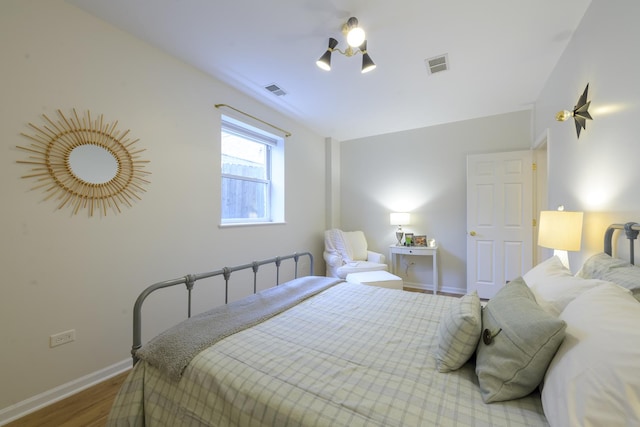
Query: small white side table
[(395, 252)]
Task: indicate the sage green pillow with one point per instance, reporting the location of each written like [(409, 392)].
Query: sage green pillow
[(518, 341), (458, 333)]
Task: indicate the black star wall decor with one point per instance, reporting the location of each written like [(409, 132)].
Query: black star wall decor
[(580, 112)]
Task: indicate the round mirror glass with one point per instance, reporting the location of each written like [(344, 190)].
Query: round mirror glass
[(93, 164)]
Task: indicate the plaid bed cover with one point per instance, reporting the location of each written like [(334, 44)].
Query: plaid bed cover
[(354, 355)]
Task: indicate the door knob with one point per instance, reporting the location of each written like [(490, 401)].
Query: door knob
[(472, 233)]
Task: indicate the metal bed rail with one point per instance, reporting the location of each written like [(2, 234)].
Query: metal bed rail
[(631, 230), (190, 279)]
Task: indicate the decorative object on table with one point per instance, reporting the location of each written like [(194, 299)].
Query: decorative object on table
[(356, 43), (399, 219), (580, 112), (431, 243), (420, 240), (85, 163), (561, 231), (408, 239)]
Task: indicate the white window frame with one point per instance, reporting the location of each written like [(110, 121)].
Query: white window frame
[(275, 166)]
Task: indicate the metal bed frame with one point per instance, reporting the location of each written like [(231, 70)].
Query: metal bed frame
[(190, 279), (631, 230)]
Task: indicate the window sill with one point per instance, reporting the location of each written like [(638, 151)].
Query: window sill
[(249, 224)]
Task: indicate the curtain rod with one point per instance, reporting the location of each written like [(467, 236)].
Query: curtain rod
[(286, 134)]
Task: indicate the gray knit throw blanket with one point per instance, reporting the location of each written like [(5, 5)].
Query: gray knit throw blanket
[(172, 350)]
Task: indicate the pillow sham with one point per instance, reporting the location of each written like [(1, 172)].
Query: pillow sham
[(594, 378), (551, 267), (554, 286), (518, 341), (458, 333), (555, 293), (618, 271)]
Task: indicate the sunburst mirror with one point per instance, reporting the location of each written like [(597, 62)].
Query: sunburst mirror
[(85, 164)]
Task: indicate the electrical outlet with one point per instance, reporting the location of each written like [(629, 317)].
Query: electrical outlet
[(62, 338)]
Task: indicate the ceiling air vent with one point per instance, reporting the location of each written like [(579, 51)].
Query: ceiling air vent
[(437, 64), (275, 89)]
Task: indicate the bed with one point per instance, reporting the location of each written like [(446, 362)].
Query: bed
[(550, 349)]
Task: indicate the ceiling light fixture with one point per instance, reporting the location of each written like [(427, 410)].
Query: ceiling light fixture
[(357, 43), (580, 112)]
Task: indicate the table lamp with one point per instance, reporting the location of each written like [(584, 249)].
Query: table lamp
[(399, 219), (561, 231)]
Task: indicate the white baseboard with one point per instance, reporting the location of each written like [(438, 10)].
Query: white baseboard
[(429, 288), (63, 391)]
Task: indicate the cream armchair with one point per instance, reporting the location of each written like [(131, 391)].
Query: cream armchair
[(346, 252)]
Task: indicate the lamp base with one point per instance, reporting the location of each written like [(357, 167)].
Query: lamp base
[(399, 235), (564, 257)]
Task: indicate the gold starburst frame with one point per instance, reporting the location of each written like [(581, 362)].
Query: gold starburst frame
[(51, 147)]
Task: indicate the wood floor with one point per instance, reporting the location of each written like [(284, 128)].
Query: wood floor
[(89, 408)]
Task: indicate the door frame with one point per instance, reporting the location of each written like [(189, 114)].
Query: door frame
[(540, 188)]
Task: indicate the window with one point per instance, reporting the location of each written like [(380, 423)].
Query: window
[(252, 174)]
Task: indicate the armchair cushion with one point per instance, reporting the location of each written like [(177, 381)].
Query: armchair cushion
[(356, 245)]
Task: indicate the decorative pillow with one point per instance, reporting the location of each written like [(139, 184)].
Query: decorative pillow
[(618, 271), (594, 378), (459, 333), (518, 341)]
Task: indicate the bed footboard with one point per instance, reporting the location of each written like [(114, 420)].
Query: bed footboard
[(190, 279)]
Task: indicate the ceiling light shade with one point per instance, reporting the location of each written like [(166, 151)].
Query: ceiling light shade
[(325, 60), (356, 44), (355, 34), (367, 62)]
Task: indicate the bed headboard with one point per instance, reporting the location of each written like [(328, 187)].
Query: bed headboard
[(631, 230)]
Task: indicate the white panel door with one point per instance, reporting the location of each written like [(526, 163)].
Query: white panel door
[(499, 219)]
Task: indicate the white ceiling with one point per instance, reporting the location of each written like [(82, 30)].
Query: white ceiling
[(500, 53)]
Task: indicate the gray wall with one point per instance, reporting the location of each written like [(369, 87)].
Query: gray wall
[(597, 173), (422, 171)]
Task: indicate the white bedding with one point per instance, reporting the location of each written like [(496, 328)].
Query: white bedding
[(352, 355)]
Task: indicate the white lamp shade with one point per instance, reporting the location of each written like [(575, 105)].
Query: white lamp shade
[(560, 230), (399, 218)]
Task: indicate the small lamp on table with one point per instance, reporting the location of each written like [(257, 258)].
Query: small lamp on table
[(399, 219)]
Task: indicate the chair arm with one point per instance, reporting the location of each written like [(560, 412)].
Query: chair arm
[(375, 257), (332, 259)]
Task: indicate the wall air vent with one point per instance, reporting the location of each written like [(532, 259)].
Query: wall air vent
[(275, 89), (437, 63)]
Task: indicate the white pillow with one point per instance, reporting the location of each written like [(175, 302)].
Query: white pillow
[(551, 267), (594, 378), (555, 293), (553, 285)]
